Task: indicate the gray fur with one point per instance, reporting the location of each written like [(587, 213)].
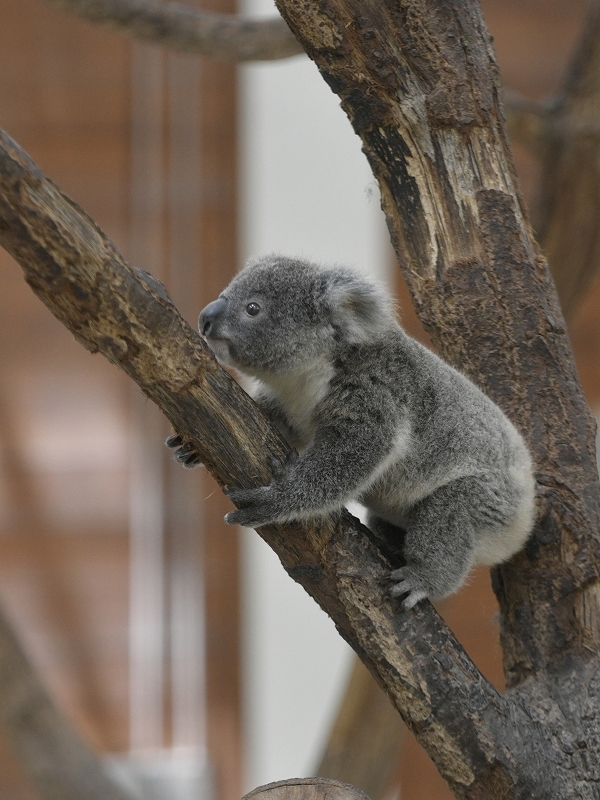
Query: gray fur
[(377, 418)]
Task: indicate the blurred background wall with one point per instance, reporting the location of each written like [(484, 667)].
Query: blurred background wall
[(157, 628)]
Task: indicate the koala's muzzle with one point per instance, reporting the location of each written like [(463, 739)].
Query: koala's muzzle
[(209, 315)]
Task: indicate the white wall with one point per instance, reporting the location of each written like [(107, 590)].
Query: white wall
[(306, 190)]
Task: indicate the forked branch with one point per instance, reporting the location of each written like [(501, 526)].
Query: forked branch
[(126, 315)]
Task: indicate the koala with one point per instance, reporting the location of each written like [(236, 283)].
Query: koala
[(374, 417)]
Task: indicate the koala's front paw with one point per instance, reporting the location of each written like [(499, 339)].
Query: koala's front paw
[(258, 506), (185, 454), (406, 581), (263, 505)]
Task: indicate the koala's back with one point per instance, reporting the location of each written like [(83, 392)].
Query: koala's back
[(454, 431), (452, 422)]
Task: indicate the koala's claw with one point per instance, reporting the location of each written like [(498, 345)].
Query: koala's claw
[(193, 460), (185, 454), (250, 517), (241, 516), (406, 581)]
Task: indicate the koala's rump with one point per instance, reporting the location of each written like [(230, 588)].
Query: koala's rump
[(458, 435)]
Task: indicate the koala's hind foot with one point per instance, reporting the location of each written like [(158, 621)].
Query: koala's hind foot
[(440, 539), (185, 453), (390, 539), (406, 581)]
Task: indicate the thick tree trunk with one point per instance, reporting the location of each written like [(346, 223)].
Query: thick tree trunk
[(420, 84)]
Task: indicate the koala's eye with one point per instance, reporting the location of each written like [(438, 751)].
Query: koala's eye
[(252, 309)]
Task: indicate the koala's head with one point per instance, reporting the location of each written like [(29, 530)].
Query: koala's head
[(279, 313)]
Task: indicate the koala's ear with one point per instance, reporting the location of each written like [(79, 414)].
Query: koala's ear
[(359, 310)]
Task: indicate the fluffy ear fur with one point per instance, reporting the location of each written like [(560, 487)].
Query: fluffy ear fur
[(360, 310)]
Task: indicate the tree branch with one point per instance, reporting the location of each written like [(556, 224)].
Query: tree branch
[(52, 754), (525, 120), (568, 206), (190, 30), (125, 314), (365, 739)]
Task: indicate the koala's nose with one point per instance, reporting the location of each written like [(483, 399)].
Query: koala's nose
[(210, 314)]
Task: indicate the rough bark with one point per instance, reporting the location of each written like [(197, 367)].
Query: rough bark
[(189, 29)]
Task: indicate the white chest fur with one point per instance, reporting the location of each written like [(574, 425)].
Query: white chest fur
[(300, 390)]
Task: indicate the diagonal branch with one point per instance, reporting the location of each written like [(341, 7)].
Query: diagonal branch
[(191, 30), (126, 315)]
